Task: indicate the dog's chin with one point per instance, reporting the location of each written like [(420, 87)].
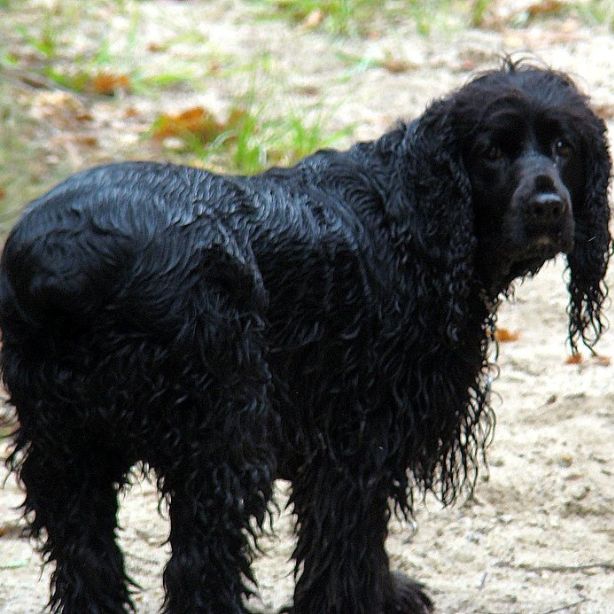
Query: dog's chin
[(515, 260), (543, 247), (540, 249)]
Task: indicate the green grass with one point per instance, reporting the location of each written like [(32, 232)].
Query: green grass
[(597, 12), (363, 17), (478, 11), (46, 39), (252, 142), (359, 17), (336, 16), (281, 141), (24, 171), (50, 43)]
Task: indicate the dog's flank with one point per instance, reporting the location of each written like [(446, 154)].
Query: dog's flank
[(327, 323)]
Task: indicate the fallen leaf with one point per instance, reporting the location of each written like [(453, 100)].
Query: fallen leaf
[(131, 113), (86, 139), (195, 121), (108, 84), (156, 47), (308, 90), (575, 359), (545, 7), (602, 361), (215, 67), (396, 65), (504, 335)]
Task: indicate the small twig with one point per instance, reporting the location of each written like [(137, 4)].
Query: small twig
[(29, 79), (33, 81), (608, 565), (483, 580), (565, 607)]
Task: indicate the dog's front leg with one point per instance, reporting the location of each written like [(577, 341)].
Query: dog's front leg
[(342, 518)]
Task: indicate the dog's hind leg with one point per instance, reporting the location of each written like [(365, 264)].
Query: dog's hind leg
[(215, 467), (74, 505), (71, 500)]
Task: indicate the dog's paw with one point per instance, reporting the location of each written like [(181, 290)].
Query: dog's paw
[(409, 596)]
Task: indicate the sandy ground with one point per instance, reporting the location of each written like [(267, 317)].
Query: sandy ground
[(538, 536)]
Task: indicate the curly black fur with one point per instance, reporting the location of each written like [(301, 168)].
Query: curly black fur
[(327, 323)]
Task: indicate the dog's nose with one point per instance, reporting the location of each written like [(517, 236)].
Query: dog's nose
[(545, 208), (544, 183)]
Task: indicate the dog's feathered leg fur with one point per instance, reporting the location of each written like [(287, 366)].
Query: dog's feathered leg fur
[(218, 489)]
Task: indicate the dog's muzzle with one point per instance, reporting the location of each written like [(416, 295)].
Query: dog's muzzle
[(543, 210)]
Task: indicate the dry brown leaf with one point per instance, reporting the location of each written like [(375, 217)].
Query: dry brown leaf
[(545, 7), (575, 359), (308, 90), (396, 65), (195, 121), (131, 113), (108, 84), (156, 47), (88, 140), (215, 67), (602, 361), (504, 335)]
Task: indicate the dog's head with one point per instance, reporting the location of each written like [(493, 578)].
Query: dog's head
[(530, 164)]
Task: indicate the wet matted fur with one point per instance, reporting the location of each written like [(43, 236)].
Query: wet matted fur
[(327, 323)]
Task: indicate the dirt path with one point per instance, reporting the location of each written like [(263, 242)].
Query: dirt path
[(539, 535)]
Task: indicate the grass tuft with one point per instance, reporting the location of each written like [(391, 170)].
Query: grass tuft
[(599, 12), (246, 142), (360, 17)]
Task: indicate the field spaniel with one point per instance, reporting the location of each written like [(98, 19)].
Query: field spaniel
[(327, 323)]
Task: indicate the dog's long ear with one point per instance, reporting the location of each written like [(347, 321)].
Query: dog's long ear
[(439, 223), (589, 259)]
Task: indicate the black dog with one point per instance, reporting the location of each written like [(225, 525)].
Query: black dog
[(327, 323)]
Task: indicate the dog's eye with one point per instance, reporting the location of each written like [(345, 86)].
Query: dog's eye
[(493, 153), (562, 148)]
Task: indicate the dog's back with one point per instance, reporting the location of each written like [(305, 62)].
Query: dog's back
[(167, 315), (131, 316)]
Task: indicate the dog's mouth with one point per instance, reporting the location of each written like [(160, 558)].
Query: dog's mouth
[(523, 255), (538, 249), (548, 245)]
